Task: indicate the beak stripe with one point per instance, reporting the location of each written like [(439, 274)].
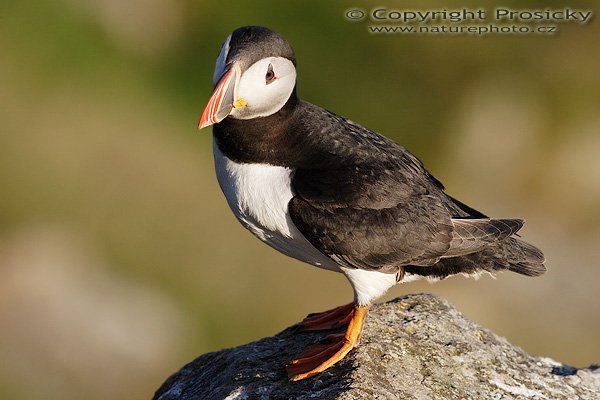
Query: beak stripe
[(221, 102)]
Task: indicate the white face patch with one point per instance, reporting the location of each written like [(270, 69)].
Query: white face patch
[(263, 97), (220, 66)]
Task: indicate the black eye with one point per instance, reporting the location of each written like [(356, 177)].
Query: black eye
[(270, 76)]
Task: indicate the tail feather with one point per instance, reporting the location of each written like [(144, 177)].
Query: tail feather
[(529, 261), (509, 254)]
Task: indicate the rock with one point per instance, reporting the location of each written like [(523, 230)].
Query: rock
[(413, 347)]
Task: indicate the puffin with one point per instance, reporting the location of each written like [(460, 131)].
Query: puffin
[(327, 191)]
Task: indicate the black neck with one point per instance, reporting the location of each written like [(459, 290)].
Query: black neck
[(259, 140)]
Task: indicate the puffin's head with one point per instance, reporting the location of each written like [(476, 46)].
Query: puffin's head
[(254, 77)]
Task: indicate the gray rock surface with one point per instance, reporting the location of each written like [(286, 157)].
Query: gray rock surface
[(413, 347)]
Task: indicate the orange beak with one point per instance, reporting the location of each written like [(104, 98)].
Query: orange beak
[(221, 102)]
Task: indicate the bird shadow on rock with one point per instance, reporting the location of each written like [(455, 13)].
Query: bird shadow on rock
[(257, 370)]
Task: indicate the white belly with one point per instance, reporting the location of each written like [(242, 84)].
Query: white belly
[(258, 195)]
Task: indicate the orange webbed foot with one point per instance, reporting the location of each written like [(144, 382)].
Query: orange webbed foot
[(320, 356), (331, 319)]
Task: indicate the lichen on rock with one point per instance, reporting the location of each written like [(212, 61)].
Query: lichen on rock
[(413, 347)]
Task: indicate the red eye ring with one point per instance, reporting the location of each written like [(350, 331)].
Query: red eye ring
[(270, 75)]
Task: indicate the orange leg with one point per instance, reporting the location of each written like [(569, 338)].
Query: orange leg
[(317, 358), (330, 319)]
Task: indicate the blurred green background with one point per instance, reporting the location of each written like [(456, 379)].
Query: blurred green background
[(119, 259)]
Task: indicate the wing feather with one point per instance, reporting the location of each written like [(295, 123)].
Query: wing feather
[(472, 235), (368, 203)]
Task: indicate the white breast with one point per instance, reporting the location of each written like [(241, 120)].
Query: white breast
[(258, 195)]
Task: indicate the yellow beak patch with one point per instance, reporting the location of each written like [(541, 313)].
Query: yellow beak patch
[(240, 103)]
